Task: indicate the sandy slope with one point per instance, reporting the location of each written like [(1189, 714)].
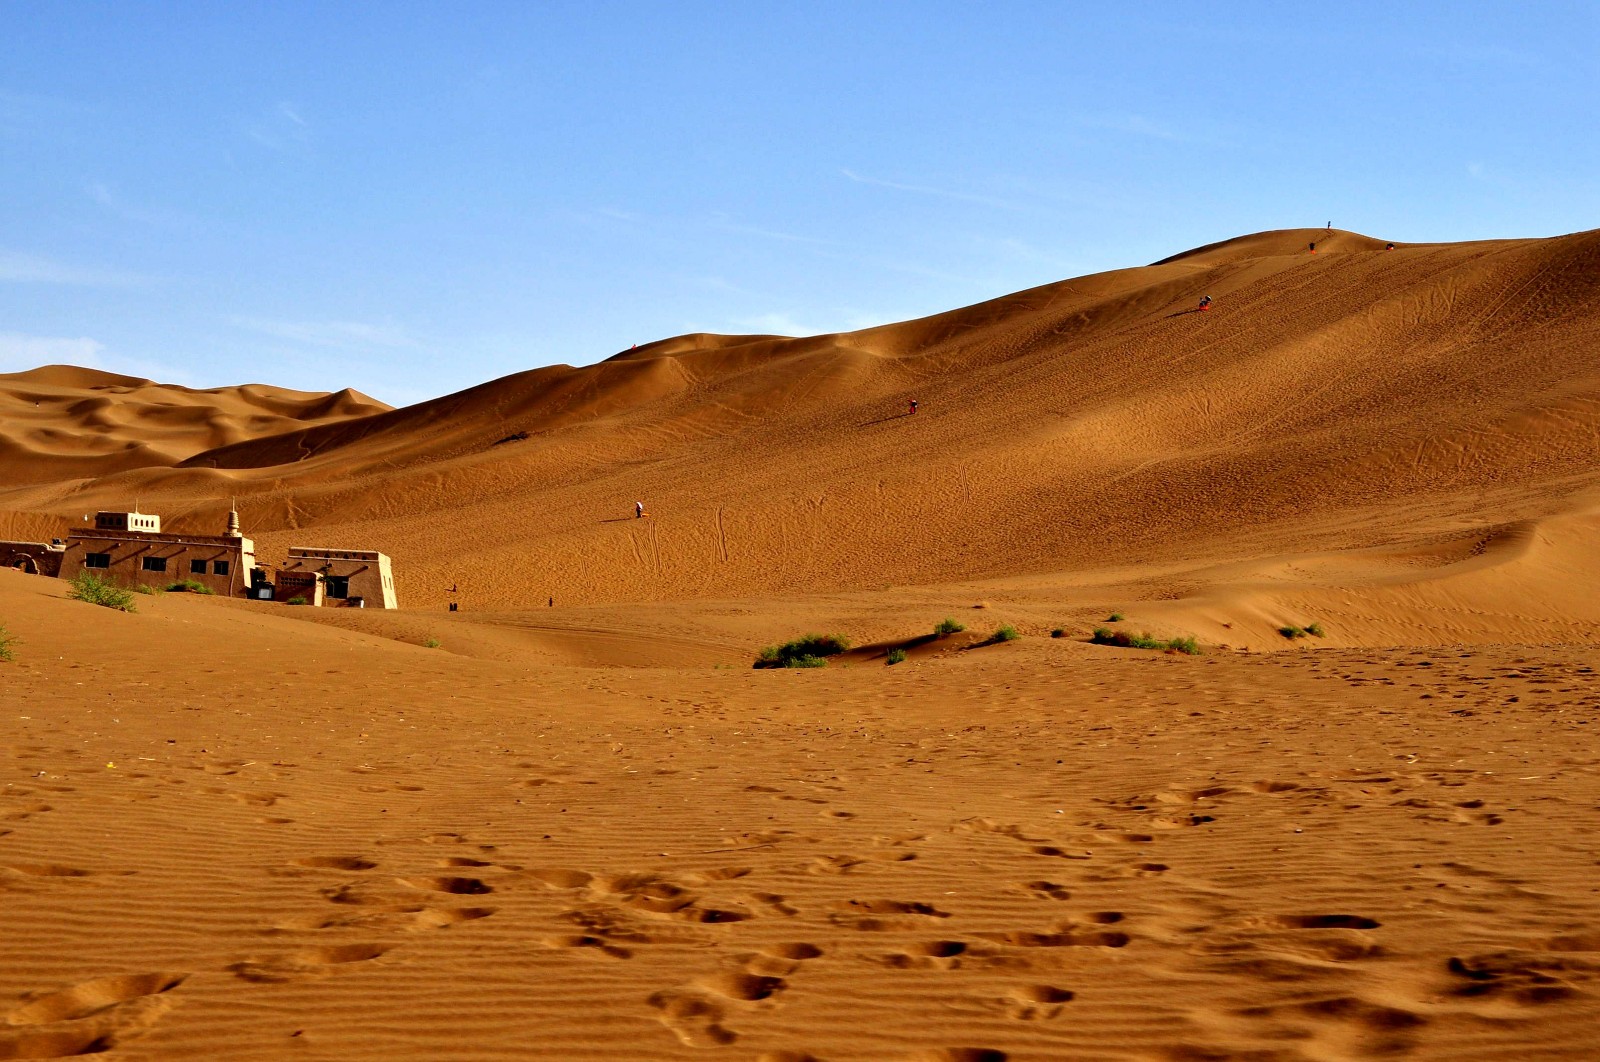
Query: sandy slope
[(584, 828)]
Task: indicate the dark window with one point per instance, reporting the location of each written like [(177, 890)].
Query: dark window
[(97, 560), (153, 564), (197, 567), (219, 567), (338, 586)]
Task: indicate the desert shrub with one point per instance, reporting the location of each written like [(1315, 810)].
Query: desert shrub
[(97, 590), (148, 590), (897, 656), (432, 643), (8, 643), (1292, 632), (1316, 629), (1007, 633), (296, 600), (1115, 617), (804, 661), (806, 647), (1125, 640), (1059, 632), (190, 586), (947, 626)]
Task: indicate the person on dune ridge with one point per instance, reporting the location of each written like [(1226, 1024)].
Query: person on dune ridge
[(638, 509)]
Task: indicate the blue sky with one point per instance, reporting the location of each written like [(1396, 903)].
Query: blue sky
[(413, 198)]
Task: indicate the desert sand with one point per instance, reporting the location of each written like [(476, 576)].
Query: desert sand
[(590, 830)]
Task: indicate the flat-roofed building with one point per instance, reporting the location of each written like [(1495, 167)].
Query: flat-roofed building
[(345, 577), (130, 549), (36, 558)]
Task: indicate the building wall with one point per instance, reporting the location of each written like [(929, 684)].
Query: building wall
[(127, 552), (303, 584), (346, 574), (31, 556)]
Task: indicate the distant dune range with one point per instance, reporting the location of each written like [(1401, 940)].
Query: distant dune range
[(1355, 417)]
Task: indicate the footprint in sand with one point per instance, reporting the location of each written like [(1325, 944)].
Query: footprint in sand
[(98, 1015), (1035, 1002), (303, 965)]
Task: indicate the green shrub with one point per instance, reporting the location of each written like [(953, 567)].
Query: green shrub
[(1292, 632), (1122, 639), (1315, 629), (1059, 632), (1115, 617), (8, 642), (947, 626), (432, 643), (1008, 633), (296, 600), (897, 656), (97, 590), (806, 647), (148, 590), (190, 586)]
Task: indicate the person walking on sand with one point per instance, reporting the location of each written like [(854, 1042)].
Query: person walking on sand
[(1205, 303), (638, 509)]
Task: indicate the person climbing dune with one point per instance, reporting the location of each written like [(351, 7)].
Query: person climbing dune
[(1205, 303), (638, 509)]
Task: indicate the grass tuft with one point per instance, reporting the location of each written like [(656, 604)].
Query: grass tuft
[(431, 643), (1115, 617), (8, 643), (1007, 633), (1316, 630), (148, 590), (948, 626), (896, 656), (1292, 632), (1125, 640), (296, 600), (190, 586), (97, 590), (807, 647), (1059, 632)]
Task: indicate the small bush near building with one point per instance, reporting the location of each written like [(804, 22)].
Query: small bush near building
[(190, 586), (897, 656), (8, 643), (148, 590), (808, 647), (96, 590), (295, 600), (947, 626)]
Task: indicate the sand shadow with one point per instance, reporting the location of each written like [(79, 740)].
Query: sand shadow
[(1180, 313), (880, 420)]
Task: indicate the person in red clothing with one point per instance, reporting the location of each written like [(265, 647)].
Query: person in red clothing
[(1205, 303), (913, 405)]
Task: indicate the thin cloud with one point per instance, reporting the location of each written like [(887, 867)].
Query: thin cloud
[(336, 335), (19, 268), (924, 189), (282, 129), (19, 352)]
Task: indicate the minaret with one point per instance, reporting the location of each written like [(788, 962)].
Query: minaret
[(233, 524)]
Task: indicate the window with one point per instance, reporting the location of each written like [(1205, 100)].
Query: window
[(153, 564), (219, 567), (97, 560), (197, 567), (338, 586)]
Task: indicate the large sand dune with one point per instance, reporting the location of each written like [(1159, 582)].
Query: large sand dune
[(583, 827)]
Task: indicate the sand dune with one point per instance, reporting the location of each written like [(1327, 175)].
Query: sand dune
[(570, 821)]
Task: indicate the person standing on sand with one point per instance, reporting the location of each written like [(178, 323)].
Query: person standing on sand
[(638, 509), (1205, 303), (913, 407)]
